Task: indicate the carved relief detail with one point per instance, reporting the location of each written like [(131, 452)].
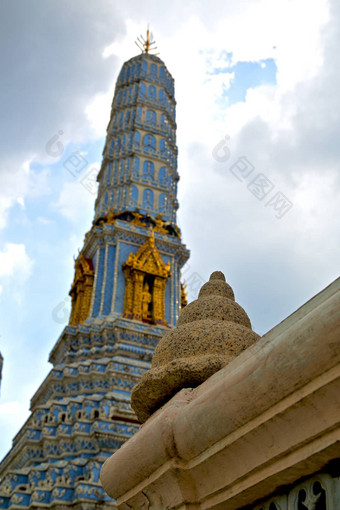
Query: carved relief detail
[(145, 281)]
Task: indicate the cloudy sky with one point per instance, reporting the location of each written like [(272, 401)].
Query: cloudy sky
[(257, 90)]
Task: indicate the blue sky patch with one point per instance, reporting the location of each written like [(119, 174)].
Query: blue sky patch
[(247, 75)]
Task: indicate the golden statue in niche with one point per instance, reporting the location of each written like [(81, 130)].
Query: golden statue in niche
[(147, 298), (81, 290), (145, 281)]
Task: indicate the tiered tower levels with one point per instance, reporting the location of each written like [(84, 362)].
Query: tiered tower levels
[(139, 169), (125, 295)]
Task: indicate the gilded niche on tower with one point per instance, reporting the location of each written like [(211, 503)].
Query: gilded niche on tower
[(81, 290), (145, 281)]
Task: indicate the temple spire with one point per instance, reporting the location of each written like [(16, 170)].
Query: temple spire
[(126, 294), (147, 45)]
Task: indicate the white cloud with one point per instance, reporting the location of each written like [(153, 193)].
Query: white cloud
[(18, 185), (14, 414), (98, 112), (15, 263), (5, 205), (21, 202), (44, 221), (77, 198), (15, 269), (13, 411)]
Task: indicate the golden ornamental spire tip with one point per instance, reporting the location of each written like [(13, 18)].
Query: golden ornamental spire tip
[(146, 45)]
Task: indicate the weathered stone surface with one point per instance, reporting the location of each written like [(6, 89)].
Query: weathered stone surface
[(214, 307), (217, 286), (211, 331)]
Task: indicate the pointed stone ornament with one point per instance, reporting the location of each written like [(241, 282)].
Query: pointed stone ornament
[(211, 331)]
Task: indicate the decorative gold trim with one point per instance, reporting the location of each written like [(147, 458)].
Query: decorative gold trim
[(81, 290), (140, 220), (146, 45), (145, 281)]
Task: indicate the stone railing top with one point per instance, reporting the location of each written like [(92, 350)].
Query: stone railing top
[(266, 419)]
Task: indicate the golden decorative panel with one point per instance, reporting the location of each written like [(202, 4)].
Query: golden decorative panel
[(140, 220), (145, 281), (81, 290)]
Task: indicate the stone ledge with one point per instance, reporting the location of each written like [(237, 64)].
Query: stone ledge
[(266, 419)]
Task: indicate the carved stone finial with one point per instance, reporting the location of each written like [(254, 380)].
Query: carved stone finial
[(210, 332)]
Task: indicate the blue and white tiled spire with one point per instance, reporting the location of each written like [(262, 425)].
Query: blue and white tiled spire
[(139, 169), (81, 412)]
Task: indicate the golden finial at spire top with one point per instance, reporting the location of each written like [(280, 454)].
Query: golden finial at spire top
[(147, 45)]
